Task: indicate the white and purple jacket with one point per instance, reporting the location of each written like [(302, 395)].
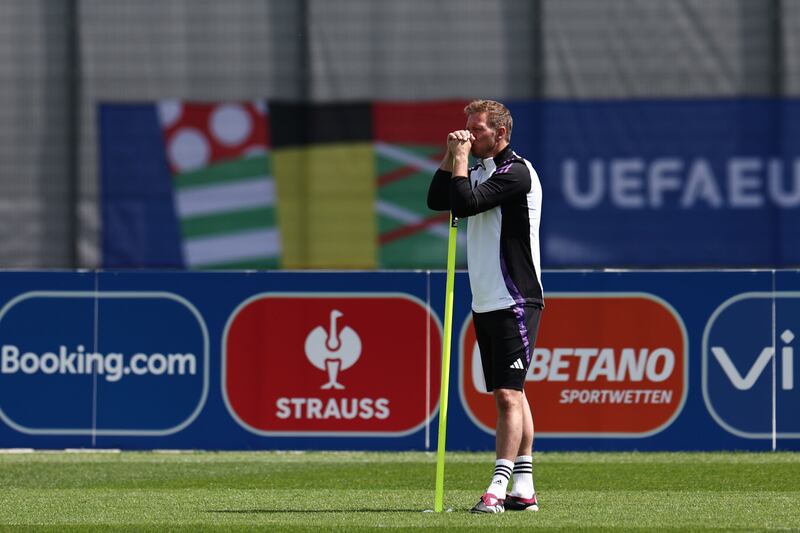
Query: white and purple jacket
[(503, 198)]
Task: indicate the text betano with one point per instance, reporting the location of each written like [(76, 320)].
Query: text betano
[(592, 365)]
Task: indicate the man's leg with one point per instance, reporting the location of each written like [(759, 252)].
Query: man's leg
[(526, 442), (509, 432), (492, 499), (504, 359), (510, 417), (523, 495), (511, 428)]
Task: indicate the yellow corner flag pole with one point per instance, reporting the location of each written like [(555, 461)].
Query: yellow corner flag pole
[(448, 327)]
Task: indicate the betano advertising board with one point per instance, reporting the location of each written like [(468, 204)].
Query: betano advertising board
[(680, 360)]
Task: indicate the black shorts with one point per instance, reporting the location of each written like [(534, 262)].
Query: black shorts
[(506, 339)]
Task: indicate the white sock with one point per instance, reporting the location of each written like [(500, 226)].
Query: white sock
[(523, 477), (499, 483)]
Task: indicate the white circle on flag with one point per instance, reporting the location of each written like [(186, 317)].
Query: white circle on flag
[(188, 149), (169, 111), (231, 124), (254, 150)]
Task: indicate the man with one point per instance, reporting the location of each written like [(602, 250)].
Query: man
[(503, 198)]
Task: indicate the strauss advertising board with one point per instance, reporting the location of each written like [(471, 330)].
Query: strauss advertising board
[(325, 372), (332, 360)]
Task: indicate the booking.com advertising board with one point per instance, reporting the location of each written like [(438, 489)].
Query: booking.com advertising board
[(682, 360)]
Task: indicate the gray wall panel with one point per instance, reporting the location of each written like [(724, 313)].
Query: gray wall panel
[(418, 49), (646, 48), (35, 208), (790, 31)]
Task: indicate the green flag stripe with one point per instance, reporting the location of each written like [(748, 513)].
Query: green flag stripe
[(249, 264), (387, 164), (233, 221), (257, 165)]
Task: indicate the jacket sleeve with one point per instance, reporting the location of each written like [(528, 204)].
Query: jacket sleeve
[(439, 191), (510, 182)]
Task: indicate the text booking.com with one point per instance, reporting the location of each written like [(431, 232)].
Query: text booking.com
[(113, 366)]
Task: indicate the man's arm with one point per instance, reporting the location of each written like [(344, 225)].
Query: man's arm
[(454, 167), (439, 191), (466, 201)]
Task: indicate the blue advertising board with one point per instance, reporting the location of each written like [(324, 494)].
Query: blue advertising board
[(143, 334), (633, 360), (655, 183)]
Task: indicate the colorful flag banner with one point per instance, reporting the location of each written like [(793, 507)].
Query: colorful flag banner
[(324, 168), (225, 197), (409, 146)]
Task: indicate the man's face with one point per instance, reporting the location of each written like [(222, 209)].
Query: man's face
[(486, 138)]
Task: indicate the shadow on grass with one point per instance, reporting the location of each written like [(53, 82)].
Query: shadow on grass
[(268, 511)]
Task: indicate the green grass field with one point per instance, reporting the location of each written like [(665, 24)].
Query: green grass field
[(322, 491)]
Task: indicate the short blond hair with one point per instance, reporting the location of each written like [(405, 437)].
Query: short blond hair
[(496, 114)]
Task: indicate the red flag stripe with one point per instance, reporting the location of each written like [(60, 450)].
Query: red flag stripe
[(404, 171), (411, 229)]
